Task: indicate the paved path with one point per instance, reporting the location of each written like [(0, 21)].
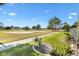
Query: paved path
[(15, 43)]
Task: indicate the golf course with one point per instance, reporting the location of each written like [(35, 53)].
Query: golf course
[(8, 36), (31, 30), (55, 40)]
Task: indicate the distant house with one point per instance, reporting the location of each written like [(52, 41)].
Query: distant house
[(56, 27)]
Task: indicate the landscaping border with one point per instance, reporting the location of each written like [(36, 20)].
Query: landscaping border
[(39, 52)]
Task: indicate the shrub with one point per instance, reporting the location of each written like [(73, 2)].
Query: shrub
[(68, 36), (58, 43)]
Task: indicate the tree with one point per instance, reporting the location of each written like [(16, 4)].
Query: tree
[(7, 28), (12, 27), (74, 25), (38, 27), (26, 28), (50, 24), (66, 27), (16, 27), (33, 27), (54, 23)]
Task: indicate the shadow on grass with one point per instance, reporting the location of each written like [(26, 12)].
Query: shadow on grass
[(21, 50)]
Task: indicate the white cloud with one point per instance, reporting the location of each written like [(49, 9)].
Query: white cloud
[(33, 19), (47, 11), (12, 14), (70, 17), (73, 14)]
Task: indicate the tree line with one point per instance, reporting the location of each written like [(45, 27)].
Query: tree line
[(53, 24), (37, 27)]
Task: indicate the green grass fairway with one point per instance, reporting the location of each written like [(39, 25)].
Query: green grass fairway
[(58, 43), (8, 37), (21, 50)]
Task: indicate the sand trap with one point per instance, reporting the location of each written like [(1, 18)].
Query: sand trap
[(19, 32)]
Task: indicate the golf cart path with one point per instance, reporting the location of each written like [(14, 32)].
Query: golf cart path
[(15, 43)]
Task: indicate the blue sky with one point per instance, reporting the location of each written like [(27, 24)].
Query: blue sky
[(30, 14)]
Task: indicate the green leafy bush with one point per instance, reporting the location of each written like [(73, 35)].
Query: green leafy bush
[(68, 36), (59, 45)]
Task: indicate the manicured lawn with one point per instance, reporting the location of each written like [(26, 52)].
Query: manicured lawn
[(56, 40), (8, 37), (21, 50), (58, 43)]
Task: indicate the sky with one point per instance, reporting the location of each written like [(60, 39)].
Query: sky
[(30, 14)]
